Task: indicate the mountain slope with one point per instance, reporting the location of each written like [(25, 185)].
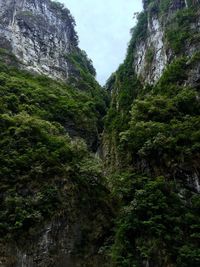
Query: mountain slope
[(51, 187), (61, 205), (151, 139), (40, 34)]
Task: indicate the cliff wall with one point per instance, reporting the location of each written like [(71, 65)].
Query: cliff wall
[(51, 183), (40, 34), (154, 51), (151, 139)]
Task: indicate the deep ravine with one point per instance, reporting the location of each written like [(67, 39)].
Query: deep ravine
[(91, 176)]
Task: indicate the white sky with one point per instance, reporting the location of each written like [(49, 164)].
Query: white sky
[(103, 28)]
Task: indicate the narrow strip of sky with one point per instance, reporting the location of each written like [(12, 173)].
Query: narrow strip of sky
[(103, 28)]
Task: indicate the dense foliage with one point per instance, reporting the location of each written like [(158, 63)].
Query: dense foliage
[(152, 140), (43, 170), (179, 32), (155, 226), (165, 124), (151, 146)]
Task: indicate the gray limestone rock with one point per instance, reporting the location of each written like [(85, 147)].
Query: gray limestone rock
[(156, 42), (39, 33)]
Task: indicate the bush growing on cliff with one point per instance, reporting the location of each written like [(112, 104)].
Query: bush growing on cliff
[(44, 171), (156, 226), (38, 160), (51, 100), (65, 14), (159, 221), (179, 32)]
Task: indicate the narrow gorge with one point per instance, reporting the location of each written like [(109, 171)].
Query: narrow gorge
[(92, 176)]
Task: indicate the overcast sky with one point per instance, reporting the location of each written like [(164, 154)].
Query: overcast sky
[(103, 28)]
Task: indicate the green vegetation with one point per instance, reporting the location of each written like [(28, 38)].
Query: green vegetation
[(44, 172), (155, 226), (139, 32), (159, 7), (125, 87), (179, 32), (65, 14), (156, 223), (53, 101), (152, 140), (81, 61), (149, 56)]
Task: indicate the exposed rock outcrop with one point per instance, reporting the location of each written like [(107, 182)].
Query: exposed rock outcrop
[(39, 36), (39, 33), (153, 53), (151, 138), (167, 33), (55, 245)]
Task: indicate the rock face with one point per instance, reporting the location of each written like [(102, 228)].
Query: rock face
[(41, 36), (155, 47), (55, 245), (167, 33), (150, 135), (39, 33), (153, 53)]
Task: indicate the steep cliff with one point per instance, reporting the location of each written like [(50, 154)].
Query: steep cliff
[(40, 34), (151, 139), (42, 37), (162, 62), (54, 207), (169, 32), (59, 200)]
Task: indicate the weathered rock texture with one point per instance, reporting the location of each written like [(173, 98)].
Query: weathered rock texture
[(39, 33), (54, 246), (153, 53), (149, 131), (167, 31)]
